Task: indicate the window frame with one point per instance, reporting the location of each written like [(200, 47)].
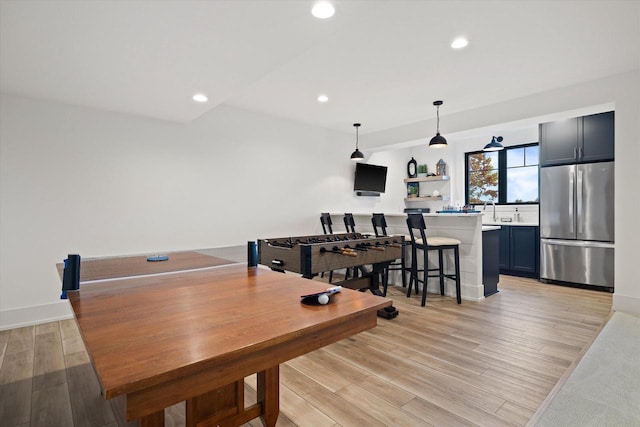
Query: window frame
[(502, 174)]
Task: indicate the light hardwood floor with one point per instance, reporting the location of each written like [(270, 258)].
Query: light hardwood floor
[(489, 363)]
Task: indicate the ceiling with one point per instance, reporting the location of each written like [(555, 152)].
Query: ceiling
[(382, 63)]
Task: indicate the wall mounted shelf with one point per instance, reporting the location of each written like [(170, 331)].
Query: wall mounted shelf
[(426, 199), (427, 179)]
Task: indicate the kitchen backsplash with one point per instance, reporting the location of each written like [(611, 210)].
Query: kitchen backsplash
[(505, 213)]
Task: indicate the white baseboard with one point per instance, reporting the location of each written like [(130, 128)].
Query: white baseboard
[(626, 304), (36, 314)]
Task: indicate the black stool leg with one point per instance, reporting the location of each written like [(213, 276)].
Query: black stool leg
[(441, 271), (425, 275), (385, 280), (403, 268), (414, 271), (456, 255)]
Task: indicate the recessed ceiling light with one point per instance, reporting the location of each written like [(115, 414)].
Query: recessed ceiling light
[(459, 43), (200, 97), (323, 98), (323, 10)]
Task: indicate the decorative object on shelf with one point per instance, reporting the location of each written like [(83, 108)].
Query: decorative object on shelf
[(438, 141), (357, 155), (435, 193), (494, 145), (422, 171), (413, 189), (441, 168), (412, 168)]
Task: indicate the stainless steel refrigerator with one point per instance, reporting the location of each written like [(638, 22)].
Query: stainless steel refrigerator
[(576, 224)]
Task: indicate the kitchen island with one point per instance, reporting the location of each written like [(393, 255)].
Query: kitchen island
[(466, 227)]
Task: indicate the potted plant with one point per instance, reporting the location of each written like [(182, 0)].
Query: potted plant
[(422, 171), (413, 188)]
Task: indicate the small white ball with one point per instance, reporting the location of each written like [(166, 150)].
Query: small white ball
[(323, 299)]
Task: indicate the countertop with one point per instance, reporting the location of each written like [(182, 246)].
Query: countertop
[(490, 227), (464, 215), (403, 214), (520, 223)]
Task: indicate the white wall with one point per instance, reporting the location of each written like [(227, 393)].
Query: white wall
[(76, 180)]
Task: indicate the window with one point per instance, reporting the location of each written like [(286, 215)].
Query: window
[(522, 174), (506, 176), (482, 177)]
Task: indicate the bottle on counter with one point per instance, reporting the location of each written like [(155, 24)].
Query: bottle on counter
[(516, 216)]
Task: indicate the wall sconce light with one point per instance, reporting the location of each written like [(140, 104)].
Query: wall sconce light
[(494, 145), (357, 155), (438, 141)]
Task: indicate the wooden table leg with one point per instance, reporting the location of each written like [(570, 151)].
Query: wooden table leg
[(215, 405), (269, 395), (153, 420), (119, 407)]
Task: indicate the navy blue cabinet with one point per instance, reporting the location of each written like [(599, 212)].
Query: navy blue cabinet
[(504, 248), (490, 264), (597, 137), (577, 140), (520, 250), (558, 142)]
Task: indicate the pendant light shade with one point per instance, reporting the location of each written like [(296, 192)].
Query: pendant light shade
[(438, 141), (494, 145), (357, 155)]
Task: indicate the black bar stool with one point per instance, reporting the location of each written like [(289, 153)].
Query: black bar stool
[(426, 244), (327, 224), (379, 223), (349, 223)]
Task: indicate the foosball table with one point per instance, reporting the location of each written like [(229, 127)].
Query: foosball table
[(315, 254)]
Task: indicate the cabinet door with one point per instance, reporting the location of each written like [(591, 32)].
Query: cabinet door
[(504, 247), (490, 256), (524, 249), (558, 142), (597, 137)]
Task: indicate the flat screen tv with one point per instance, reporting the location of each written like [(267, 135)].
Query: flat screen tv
[(370, 180)]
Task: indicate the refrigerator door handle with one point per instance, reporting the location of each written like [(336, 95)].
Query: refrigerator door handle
[(577, 243), (571, 188), (579, 202)]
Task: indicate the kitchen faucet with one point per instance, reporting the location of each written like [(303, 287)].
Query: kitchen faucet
[(494, 209)]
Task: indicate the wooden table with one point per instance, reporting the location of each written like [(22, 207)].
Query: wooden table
[(195, 335)]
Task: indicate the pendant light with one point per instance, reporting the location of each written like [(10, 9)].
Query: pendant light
[(494, 145), (357, 155), (438, 141)]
